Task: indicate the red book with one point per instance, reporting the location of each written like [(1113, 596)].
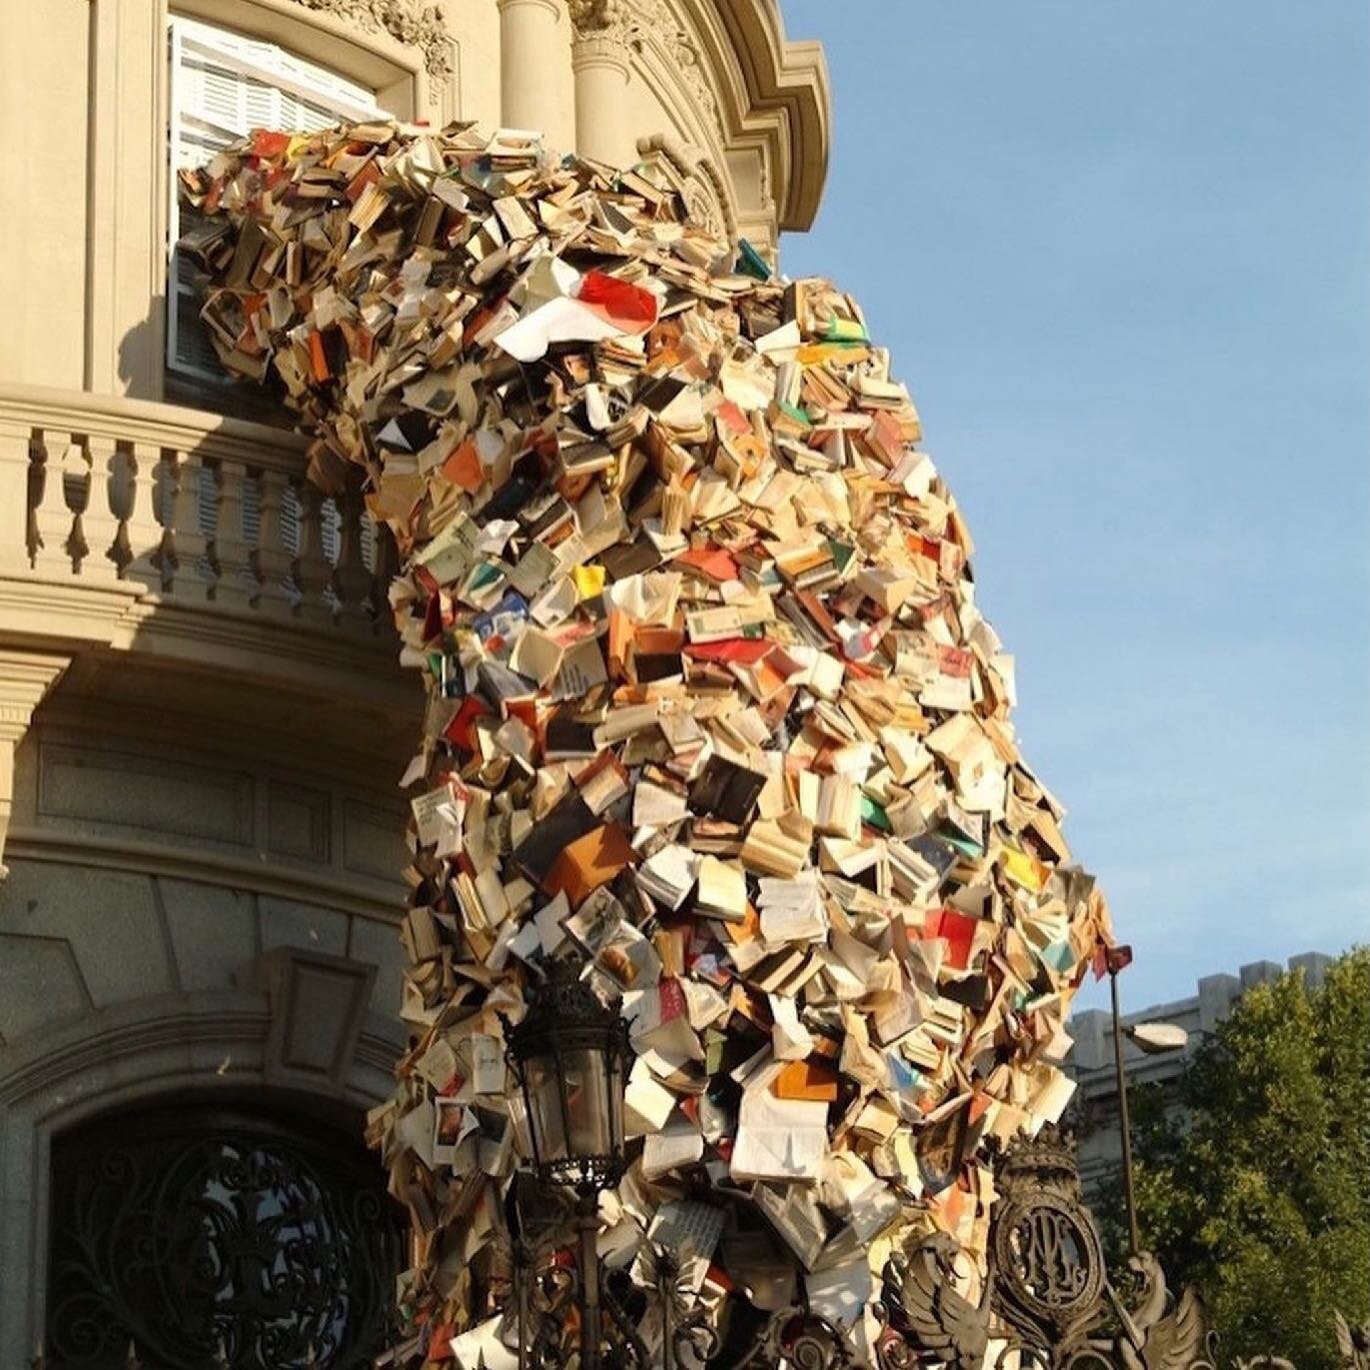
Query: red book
[(269, 143), (629, 306), (957, 930)]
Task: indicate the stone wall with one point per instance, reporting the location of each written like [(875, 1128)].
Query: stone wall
[(181, 920)]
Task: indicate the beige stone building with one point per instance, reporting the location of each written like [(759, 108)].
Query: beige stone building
[(201, 719)]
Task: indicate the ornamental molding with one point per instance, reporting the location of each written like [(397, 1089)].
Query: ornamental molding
[(26, 679), (773, 96), (202, 866), (654, 24), (200, 1030), (407, 21)]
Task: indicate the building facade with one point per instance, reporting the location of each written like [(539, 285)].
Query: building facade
[(203, 721), (1094, 1111)]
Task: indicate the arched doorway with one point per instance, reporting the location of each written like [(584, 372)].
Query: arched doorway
[(210, 1228)]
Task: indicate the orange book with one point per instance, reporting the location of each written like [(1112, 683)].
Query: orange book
[(589, 862), (748, 929), (620, 640), (572, 487), (463, 467), (318, 358), (368, 175), (714, 563), (268, 143), (810, 1080)]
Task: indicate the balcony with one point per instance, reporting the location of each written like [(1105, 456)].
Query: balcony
[(178, 564), (127, 525)]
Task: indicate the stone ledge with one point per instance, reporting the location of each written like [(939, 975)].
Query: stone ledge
[(207, 868)]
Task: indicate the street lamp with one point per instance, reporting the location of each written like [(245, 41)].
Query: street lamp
[(1155, 1039), (568, 1055)]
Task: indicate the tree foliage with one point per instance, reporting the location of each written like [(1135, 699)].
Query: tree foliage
[(1257, 1187)]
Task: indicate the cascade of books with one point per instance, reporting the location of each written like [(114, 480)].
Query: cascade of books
[(711, 713)]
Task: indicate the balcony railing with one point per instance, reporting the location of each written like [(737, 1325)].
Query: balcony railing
[(184, 508)]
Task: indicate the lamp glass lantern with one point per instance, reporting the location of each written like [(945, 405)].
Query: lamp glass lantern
[(568, 1055)]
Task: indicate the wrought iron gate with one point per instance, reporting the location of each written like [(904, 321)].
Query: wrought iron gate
[(206, 1236)]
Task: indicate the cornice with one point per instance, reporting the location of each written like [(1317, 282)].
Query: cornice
[(352, 662), (774, 87)]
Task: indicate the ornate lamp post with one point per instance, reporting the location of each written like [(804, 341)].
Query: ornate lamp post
[(568, 1056)]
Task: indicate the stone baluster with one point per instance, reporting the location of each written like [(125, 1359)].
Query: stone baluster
[(351, 579), (272, 559), (143, 530), (18, 481), (100, 519), (312, 570), (56, 524), (187, 543), (236, 587)]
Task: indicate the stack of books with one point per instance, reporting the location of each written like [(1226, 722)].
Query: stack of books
[(711, 712)]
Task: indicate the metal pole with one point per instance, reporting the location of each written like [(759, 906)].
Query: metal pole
[(521, 1269), (666, 1284), (587, 1220), (1124, 1122)]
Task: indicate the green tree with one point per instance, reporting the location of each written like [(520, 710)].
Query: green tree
[(1258, 1187)]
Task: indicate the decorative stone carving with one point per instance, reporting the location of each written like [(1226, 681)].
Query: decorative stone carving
[(655, 24), (317, 1005), (407, 21), (1047, 1291), (598, 17)]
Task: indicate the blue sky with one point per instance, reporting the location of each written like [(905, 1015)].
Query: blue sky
[(1121, 252)]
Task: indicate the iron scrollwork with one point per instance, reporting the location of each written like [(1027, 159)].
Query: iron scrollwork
[(195, 1235), (797, 1339)]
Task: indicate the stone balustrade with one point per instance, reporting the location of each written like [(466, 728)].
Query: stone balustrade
[(190, 509)]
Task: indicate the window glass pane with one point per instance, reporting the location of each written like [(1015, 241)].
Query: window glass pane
[(587, 1096), (544, 1096)]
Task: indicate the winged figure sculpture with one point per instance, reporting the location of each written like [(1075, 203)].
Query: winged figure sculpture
[(928, 1314)]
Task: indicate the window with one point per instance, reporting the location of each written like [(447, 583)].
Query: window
[(223, 85), (188, 1230)]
